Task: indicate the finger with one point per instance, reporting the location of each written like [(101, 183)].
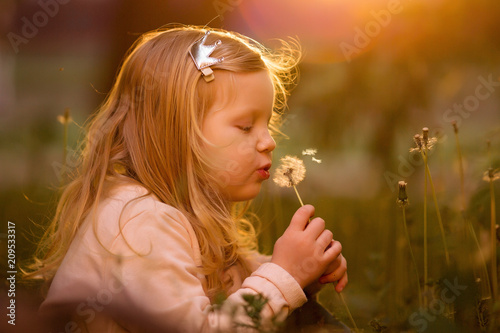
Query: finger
[(301, 217), (339, 270), (333, 276), (336, 274), (325, 239), (316, 227), (333, 266), (334, 250), (342, 283)]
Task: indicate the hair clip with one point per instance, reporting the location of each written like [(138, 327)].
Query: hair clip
[(200, 52)]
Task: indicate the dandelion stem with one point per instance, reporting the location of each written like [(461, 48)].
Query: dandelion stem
[(424, 156), (65, 122), (493, 240), (431, 183), (65, 143), (468, 228), (412, 256), (460, 169), (483, 261), (298, 196), (494, 281), (348, 312)]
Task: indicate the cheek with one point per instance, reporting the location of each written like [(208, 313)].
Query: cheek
[(234, 168), (229, 173), (229, 163), (245, 148), (241, 151)]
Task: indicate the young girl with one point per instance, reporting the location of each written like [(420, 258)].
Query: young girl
[(150, 235)]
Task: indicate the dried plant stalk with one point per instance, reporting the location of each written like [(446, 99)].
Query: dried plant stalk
[(440, 220), (468, 227), (493, 241), (424, 145), (403, 202), (426, 264), (65, 120)]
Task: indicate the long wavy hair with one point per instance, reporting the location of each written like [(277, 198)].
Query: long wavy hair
[(148, 131)]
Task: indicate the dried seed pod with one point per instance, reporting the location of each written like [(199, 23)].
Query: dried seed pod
[(425, 135), (402, 196)]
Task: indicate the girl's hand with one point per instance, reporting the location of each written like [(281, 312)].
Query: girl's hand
[(336, 271), (306, 250)]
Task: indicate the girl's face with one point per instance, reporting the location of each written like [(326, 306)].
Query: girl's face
[(236, 127)]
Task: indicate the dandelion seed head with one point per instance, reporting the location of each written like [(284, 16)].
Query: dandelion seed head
[(402, 196), (290, 172), (423, 141), (64, 118), (418, 141), (309, 151), (431, 143), (425, 135), (491, 175)]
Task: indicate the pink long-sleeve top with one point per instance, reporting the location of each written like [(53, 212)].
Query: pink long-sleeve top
[(139, 274)]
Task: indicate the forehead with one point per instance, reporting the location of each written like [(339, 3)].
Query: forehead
[(252, 90)]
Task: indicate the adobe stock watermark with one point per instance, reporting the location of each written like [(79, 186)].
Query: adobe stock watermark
[(73, 160), (471, 103), (460, 111), (420, 319), (222, 6), (363, 37), (87, 310), (31, 27)]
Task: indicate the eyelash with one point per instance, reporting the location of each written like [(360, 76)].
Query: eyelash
[(246, 129)]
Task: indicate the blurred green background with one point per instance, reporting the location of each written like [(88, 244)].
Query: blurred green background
[(373, 74)]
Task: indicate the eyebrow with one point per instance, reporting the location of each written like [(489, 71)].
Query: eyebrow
[(252, 111)]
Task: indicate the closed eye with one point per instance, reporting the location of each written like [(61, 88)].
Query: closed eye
[(245, 129)]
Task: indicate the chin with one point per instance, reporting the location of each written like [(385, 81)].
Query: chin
[(243, 194)]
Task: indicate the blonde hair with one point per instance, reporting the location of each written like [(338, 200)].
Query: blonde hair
[(149, 130)]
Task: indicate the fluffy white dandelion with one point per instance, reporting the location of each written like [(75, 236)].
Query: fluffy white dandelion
[(290, 172)]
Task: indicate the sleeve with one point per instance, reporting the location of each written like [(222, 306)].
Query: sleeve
[(160, 289)]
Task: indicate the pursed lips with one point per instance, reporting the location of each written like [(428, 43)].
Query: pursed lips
[(264, 171)]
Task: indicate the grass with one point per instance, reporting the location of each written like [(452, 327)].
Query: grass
[(365, 225)]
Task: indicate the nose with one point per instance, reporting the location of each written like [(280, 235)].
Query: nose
[(266, 142)]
